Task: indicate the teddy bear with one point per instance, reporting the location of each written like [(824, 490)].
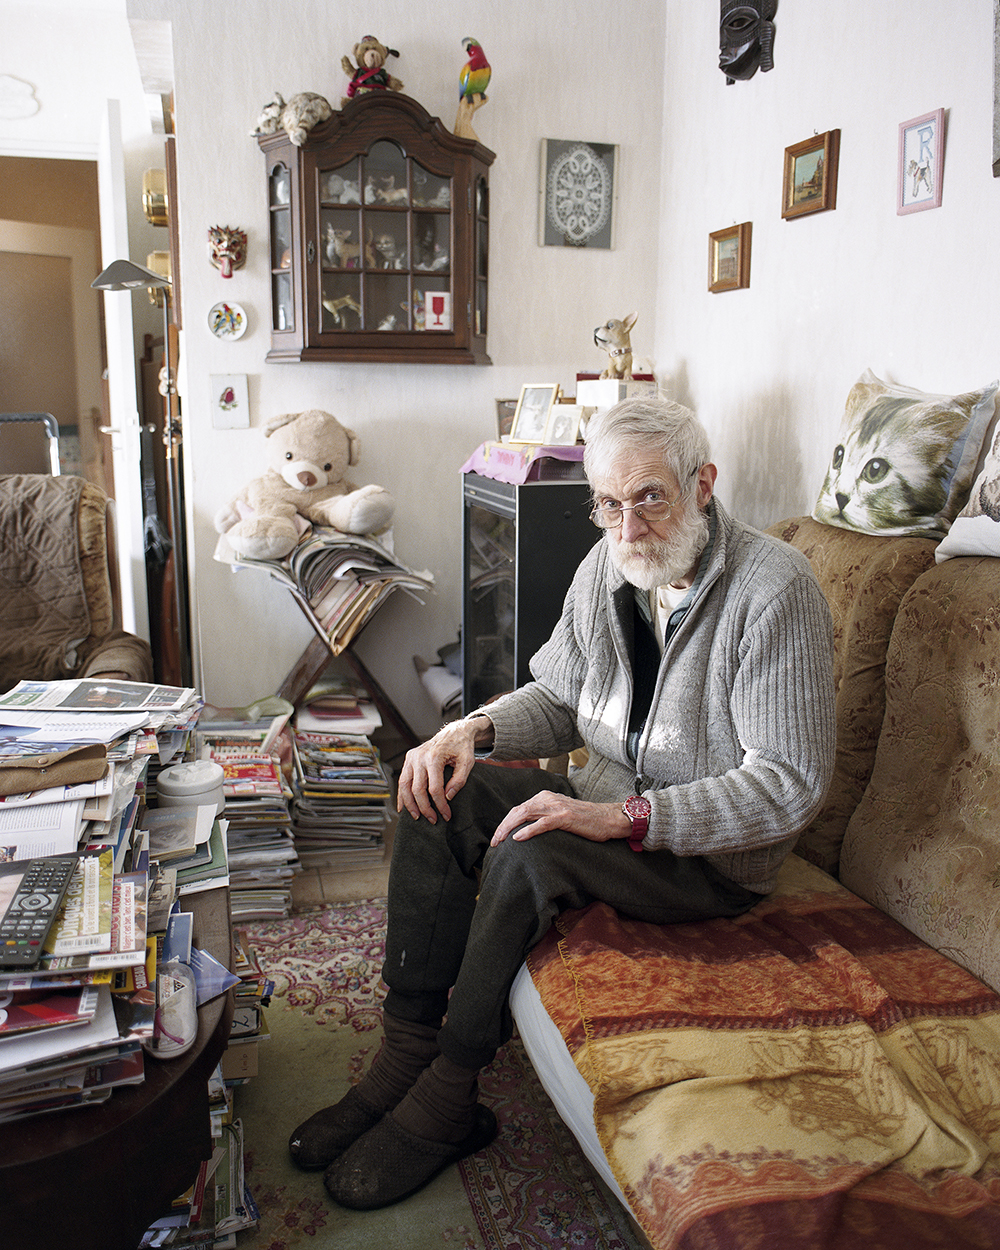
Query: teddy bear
[(371, 74), (308, 453)]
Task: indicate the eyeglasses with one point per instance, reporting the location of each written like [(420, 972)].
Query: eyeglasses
[(610, 516)]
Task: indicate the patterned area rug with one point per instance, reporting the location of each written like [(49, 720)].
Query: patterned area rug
[(532, 1188)]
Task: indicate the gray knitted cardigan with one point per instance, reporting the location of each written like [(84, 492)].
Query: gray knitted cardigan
[(737, 751)]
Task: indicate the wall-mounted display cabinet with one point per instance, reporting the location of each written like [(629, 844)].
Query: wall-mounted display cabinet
[(379, 238)]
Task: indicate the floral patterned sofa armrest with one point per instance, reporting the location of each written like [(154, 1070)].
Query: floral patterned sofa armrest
[(924, 845), (864, 577)]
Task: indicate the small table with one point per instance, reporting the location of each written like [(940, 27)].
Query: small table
[(95, 1178)]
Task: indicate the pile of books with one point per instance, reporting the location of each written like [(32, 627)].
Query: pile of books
[(339, 580), (262, 852)]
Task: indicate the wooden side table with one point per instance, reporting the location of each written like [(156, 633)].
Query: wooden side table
[(95, 1178)]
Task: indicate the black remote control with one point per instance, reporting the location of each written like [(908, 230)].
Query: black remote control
[(33, 908)]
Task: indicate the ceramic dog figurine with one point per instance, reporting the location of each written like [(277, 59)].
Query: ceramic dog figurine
[(614, 338)]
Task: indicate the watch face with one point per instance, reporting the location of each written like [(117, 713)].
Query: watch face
[(637, 808)]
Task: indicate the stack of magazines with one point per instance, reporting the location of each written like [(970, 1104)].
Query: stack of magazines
[(339, 580)]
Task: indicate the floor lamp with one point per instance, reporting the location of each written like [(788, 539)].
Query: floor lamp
[(125, 275)]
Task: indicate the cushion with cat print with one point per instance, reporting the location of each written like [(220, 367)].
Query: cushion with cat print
[(904, 462), (976, 529)]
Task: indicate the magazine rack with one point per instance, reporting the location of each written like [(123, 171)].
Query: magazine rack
[(340, 581), (310, 665)]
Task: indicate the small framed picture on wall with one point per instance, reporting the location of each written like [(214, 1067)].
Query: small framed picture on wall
[(921, 163), (729, 257), (810, 182)]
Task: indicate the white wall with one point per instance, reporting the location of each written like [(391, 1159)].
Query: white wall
[(557, 74), (767, 368), (913, 297)]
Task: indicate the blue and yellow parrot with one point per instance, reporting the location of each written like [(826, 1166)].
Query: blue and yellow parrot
[(475, 76)]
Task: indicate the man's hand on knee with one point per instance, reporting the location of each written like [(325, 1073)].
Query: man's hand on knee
[(434, 772)]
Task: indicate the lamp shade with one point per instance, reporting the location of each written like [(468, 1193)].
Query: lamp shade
[(126, 275)]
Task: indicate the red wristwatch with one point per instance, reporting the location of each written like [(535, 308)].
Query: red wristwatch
[(638, 810)]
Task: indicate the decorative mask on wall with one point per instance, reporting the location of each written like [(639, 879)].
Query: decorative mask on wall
[(746, 38), (227, 249)]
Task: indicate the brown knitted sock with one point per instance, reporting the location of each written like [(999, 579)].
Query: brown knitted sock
[(408, 1049), (441, 1105)]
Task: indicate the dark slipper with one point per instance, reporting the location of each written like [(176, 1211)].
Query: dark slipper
[(325, 1136), (388, 1163)]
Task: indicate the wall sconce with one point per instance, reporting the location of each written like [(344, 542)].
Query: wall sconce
[(158, 262), (155, 202)]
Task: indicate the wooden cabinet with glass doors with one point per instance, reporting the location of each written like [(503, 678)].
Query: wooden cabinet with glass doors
[(379, 238)]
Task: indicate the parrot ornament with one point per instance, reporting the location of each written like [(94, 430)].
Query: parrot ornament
[(474, 79), (476, 72)]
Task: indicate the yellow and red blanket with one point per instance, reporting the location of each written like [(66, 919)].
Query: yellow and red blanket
[(810, 1075)]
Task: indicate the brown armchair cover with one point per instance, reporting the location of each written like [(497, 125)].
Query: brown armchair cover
[(58, 608)]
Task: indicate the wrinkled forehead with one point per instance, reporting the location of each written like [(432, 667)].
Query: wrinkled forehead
[(632, 471)]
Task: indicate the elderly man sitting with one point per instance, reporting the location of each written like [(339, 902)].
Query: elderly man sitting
[(693, 659)]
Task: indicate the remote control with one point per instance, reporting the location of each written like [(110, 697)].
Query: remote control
[(34, 907)]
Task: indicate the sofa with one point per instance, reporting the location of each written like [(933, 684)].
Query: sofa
[(823, 1071)]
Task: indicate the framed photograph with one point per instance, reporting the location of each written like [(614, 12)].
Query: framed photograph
[(505, 416), (810, 182), (729, 257), (563, 427), (577, 194), (532, 413), (230, 401), (921, 163)]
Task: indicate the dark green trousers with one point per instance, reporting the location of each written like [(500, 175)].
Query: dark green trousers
[(454, 943)]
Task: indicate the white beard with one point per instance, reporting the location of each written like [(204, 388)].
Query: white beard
[(652, 561)]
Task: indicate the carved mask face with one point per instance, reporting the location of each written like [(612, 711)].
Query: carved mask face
[(746, 37)]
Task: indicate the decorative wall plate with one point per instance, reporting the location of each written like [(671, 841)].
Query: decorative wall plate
[(227, 321)]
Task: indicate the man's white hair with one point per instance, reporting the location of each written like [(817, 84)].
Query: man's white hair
[(648, 422)]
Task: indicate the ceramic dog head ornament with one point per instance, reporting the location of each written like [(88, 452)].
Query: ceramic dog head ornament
[(746, 37), (227, 249), (615, 338)]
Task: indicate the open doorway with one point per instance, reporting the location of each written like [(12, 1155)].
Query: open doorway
[(52, 351)]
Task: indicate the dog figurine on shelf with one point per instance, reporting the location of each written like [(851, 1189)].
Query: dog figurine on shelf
[(615, 338)]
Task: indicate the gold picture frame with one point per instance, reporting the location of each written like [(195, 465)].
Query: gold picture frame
[(532, 413), (729, 257), (563, 426), (810, 181)]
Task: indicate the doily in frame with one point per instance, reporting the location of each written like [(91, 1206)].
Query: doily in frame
[(578, 197)]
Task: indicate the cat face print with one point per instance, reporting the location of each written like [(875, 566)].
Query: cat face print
[(902, 463)]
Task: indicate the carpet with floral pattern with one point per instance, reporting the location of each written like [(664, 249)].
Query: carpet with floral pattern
[(531, 1188)]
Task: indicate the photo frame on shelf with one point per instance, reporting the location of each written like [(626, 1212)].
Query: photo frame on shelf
[(729, 257), (506, 408), (563, 426), (577, 193), (532, 413), (921, 163), (810, 179)]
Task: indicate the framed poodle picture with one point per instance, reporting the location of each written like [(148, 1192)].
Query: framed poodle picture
[(921, 163), (810, 182), (577, 194), (729, 257)]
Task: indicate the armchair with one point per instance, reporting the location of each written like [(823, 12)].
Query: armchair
[(59, 611)]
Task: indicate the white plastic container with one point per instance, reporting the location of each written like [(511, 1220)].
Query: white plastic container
[(190, 785)]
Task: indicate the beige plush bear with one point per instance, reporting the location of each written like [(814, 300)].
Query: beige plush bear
[(308, 453)]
